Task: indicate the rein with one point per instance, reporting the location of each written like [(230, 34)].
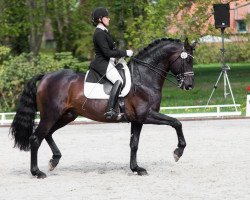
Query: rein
[(180, 77), (153, 68)]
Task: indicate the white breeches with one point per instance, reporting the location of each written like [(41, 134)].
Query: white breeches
[(112, 73)]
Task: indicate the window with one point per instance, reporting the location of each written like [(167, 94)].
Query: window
[(241, 26)]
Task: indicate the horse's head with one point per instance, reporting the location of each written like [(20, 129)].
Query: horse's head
[(181, 65)]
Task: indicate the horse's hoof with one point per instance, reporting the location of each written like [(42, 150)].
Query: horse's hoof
[(176, 157), (142, 173), (41, 175), (51, 167)]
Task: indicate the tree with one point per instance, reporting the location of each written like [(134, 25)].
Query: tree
[(151, 24), (61, 15), (122, 15), (37, 11), (14, 25), (23, 24), (134, 23)]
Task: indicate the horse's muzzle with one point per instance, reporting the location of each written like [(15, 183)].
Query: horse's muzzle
[(187, 83)]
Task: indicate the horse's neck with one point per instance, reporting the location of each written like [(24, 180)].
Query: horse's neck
[(148, 76)]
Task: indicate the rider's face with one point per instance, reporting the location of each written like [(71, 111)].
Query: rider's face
[(105, 20)]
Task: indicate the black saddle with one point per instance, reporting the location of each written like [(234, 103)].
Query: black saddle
[(96, 77)]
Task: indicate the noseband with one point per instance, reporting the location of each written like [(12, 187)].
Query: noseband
[(179, 77)]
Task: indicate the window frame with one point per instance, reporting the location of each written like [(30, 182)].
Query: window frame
[(239, 25)]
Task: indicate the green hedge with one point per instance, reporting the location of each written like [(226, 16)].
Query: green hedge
[(15, 71), (207, 53), (4, 53)]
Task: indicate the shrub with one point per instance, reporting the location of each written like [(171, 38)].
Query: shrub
[(4, 53), (17, 70), (207, 53)]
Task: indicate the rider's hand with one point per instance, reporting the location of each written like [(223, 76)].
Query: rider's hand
[(129, 53)]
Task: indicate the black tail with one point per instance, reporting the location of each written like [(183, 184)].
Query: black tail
[(23, 123)]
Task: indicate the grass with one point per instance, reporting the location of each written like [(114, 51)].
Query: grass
[(205, 79)]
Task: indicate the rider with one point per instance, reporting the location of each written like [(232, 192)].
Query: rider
[(105, 54)]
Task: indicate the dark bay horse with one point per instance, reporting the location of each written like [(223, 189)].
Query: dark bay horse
[(59, 97)]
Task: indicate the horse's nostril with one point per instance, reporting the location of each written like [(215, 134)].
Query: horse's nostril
[(189, 87)]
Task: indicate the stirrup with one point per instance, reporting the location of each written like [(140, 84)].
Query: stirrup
[(112, 114)]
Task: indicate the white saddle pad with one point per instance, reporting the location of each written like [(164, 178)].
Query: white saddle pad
[(96, 90)]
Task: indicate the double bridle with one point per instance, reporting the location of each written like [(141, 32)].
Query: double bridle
[(179, 77)]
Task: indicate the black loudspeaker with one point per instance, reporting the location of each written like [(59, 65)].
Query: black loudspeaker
[(221, 15)]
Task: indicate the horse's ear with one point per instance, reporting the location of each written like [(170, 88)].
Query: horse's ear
[(186, 44), (194, 44)]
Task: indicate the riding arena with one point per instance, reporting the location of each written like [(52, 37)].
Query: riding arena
[(95, 163)]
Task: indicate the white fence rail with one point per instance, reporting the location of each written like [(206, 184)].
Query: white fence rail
[(204, 111)]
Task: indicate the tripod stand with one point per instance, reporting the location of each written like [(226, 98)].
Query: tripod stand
[(223, 72)]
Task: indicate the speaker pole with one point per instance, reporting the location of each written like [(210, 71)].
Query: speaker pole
[(223, 46), (224, 69), (223, 62)]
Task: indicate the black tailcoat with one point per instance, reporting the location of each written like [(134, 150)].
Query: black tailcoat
[(104, 50)]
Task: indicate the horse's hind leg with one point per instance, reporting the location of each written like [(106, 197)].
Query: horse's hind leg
[(56, 153), (134, 140), (35, 141), (67, 118)]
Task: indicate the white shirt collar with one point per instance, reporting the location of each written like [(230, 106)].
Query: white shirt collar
[(101, 26)]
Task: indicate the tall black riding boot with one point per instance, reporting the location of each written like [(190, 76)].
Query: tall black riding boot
[(115, 91)]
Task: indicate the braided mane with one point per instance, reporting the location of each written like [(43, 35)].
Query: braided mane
[(156, 43)]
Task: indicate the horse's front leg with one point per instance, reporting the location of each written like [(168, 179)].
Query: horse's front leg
[(161, 119), (134, 140)]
